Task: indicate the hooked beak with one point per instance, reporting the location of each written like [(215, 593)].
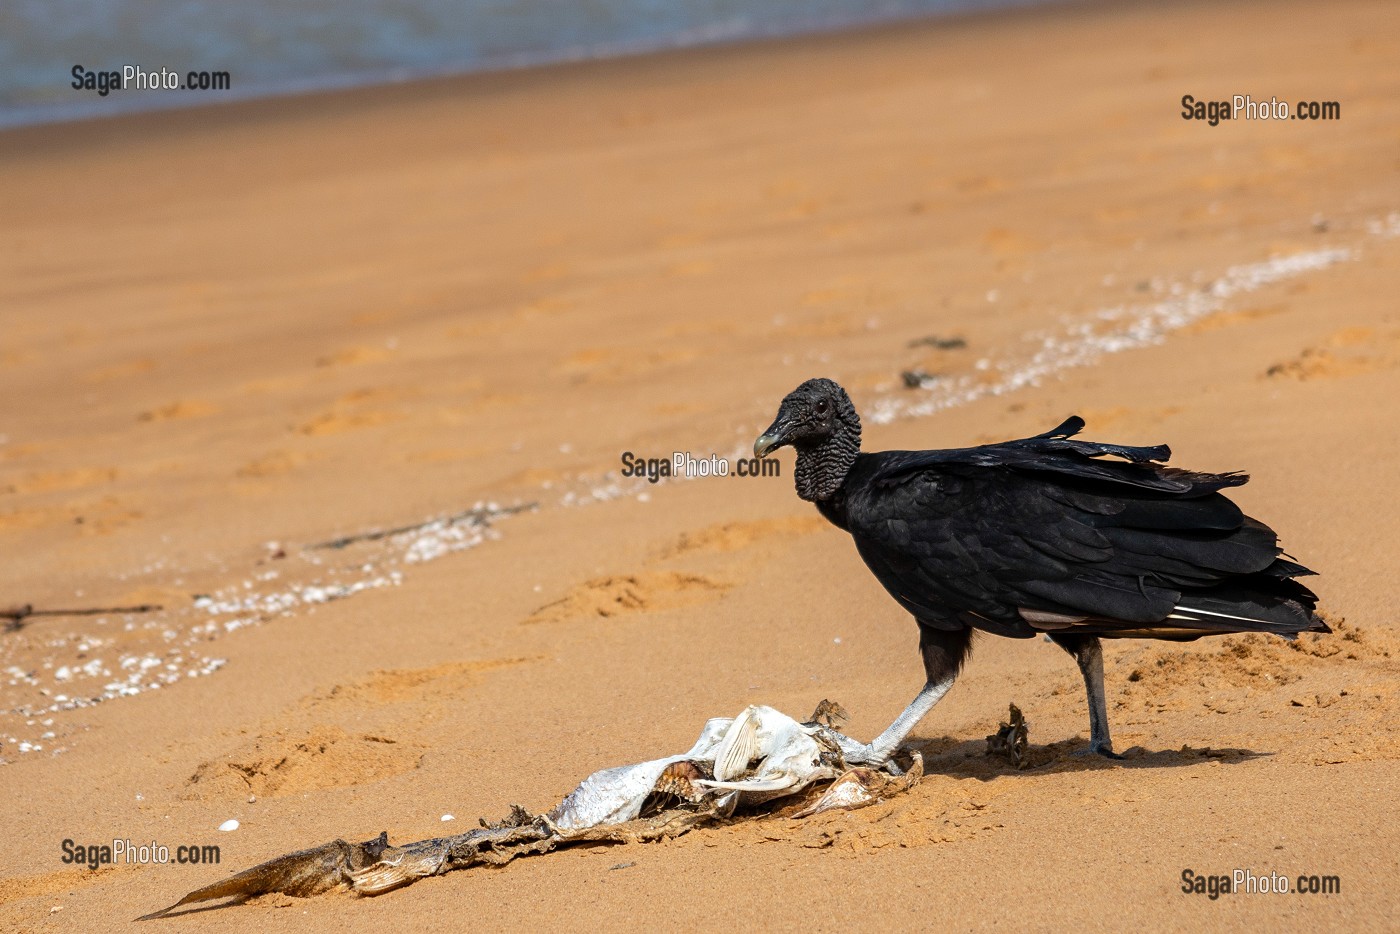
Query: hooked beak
[(772, 439)]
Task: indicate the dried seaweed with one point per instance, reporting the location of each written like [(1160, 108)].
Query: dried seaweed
[(737, 766)]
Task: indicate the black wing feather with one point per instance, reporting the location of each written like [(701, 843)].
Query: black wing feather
[(975, 536)]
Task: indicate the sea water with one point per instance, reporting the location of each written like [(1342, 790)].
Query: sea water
[(269, 47)]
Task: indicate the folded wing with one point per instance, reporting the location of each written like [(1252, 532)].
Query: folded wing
[(1048, 534)]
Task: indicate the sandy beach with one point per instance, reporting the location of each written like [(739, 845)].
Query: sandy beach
[(235, 335)]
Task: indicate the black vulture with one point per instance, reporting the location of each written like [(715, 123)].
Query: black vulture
[(1079, 540)]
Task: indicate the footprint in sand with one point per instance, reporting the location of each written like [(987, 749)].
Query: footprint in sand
[(447, 455), (58, 883), (732, 536), (1348, 352), (118, 371), (177, 410), (534, 478), (334, 423), (803, 209), (1120, 417), (1211, 182), (840, 292), (1225, 319), (21, 519), (672, 409), (16, 356), (607, 597), (550, 272), (544, 307), (1352, 337), (1002, 241), (980, 184), (47, 481), (1306, 683), (449, 680), (349, 413), (377, 316), (674, 241), (274, 464), (354, 356), (102, 517), (834, 324), (1115, 215), (88, 517), (940, 809), (605, 365), (713, 328), (1254, 665), (689, 269), (840, 230), (1173, 679), (15, 452), (284, 763), (273, 384)]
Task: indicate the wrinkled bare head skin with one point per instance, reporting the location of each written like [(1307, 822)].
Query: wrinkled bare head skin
[(818, 420)]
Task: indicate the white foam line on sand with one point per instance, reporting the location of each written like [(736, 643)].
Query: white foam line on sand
[(187, 631), (1078, 343), (1110, 330)]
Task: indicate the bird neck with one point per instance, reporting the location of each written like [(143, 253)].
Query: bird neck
[(822, 468)]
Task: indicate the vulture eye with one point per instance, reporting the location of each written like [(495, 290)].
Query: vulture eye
[(822, 406)]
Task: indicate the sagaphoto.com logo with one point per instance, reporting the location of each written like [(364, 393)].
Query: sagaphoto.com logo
[(136, 78), (1245, 107), (688, 465), (1248, 882), (124, 852)]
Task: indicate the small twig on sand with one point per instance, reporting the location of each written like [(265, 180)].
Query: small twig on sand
[(16, 615), (480, 515), (940, 343)]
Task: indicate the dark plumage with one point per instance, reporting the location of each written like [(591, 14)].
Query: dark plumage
[(1076, 539)]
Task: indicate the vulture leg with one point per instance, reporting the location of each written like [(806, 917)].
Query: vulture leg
[(1088, 652), (944, 652)]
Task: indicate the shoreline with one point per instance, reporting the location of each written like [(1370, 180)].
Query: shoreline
[(622, 51)]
